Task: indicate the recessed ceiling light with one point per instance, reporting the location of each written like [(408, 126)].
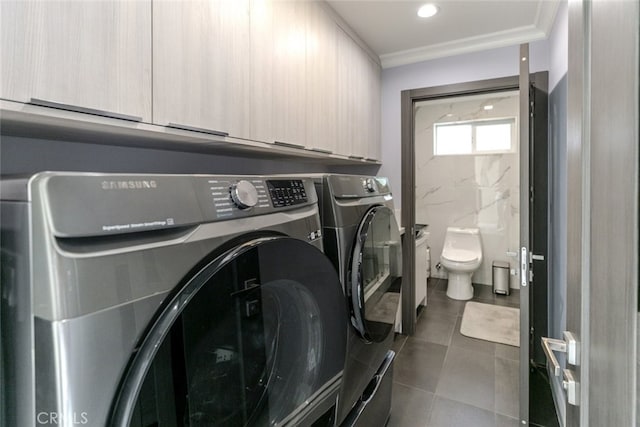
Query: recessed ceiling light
[(488, 107), (427, 10)]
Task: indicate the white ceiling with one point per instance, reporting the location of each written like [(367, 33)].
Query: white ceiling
[(392, 29)]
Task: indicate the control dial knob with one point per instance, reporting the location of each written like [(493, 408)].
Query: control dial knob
[(369, 185), (243, 194)]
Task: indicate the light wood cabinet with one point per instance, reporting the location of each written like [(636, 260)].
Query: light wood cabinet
[(321, 80), (278, 71), (358, 122), (261, 71), (275, 71), (201, 65), (374, 119), (347, 93), (80, 55)]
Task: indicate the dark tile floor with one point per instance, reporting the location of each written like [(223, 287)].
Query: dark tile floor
[(444, 379)]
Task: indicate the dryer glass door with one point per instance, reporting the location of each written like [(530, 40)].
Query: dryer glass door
[(252, 339), (375, 274)]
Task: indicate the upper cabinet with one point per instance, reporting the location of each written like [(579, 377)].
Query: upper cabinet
[(91, 56), (201, 67), (275, 71), (321, 80), (278, 71), (358, 123), (293, 74), (373, 99), (348, 81)]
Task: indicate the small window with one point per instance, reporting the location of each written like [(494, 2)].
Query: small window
[(475, 137)]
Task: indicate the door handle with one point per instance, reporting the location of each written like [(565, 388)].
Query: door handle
[(549, 345), (85, 110), (568, 345)]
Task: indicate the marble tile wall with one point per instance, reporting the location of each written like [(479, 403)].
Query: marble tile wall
[(469, 190)]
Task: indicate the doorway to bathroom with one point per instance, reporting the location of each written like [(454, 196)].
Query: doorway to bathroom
[(474, 155)]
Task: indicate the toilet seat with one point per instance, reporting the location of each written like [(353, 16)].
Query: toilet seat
[(460, 256)]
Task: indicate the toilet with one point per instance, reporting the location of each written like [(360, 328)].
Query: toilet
[(461, 256)]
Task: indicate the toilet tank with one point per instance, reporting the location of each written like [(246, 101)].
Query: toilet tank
[(463, 238)]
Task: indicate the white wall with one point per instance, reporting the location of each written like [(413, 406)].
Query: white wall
[(489, 64)]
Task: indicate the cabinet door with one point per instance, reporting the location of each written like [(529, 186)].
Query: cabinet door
[(278, 87), (360, 141), (289, 68), (321, 100), (347, 92), (374, 111), (261, 64), (87, 54), (201, 66)]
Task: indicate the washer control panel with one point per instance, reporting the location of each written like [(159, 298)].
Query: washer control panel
[(230, 197), (287, 192), (237, 197)]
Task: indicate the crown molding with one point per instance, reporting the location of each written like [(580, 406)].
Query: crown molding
[(546, 15), (539, 30), (511, 37)]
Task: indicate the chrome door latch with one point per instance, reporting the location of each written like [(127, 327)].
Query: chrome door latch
[(524, 267), (570, 346), (533, 257)]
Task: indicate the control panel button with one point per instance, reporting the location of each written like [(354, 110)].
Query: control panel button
[(286, 192), (244, 194)]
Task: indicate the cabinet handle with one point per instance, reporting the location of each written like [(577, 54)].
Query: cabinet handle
[(320, 150), (289, 144), (85, 110), (196, 129), (356, 157)]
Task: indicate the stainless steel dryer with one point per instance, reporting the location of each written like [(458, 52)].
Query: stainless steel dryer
[(362, 238), (167, 300)]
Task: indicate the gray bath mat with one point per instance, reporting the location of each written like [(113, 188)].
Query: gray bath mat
[(491, 323)]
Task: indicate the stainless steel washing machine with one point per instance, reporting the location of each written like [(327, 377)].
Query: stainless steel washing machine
[(167, 300), (362, 238)]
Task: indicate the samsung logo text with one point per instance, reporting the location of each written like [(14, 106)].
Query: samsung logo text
[(129, 185)]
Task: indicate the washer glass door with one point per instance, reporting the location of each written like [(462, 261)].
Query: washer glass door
[(251, 339), (375, 274)]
